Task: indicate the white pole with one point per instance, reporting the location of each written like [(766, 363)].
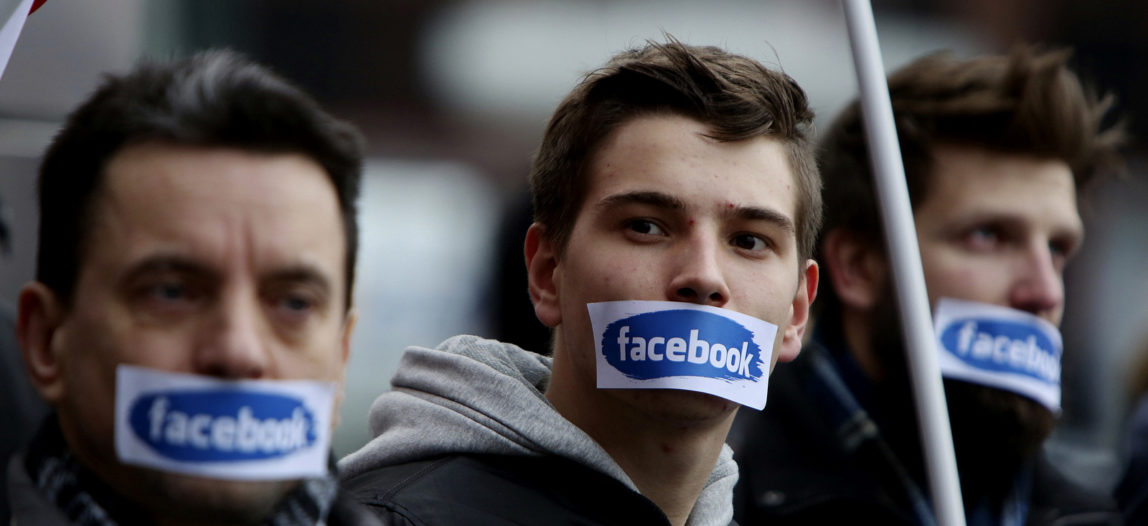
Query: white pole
[(13, 13), (908, 278)]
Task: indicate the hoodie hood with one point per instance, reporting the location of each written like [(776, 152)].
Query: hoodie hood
[(476, 396)]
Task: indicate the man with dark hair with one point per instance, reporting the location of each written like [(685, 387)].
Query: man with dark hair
[(995, 150), (677, 181), (190, 318)]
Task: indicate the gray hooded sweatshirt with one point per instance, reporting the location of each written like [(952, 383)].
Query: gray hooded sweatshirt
[(476, 396)]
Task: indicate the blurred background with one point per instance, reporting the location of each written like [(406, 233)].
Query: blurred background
[(453, 96)]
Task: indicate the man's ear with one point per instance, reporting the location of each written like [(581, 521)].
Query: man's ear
[(793, 337), (541, 264), (39, 316), (348, 329), (857, 269), (349, 321)]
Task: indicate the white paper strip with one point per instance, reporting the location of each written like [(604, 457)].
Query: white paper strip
[(675, 345), (240, 430), (1000, 347)]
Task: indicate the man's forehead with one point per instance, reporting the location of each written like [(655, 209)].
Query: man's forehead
[(953, 159), (979, 184), (972, 170), (154, 203), (638, 154)]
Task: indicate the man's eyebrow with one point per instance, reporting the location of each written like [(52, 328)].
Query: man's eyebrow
[(754, 213), (1017, 221), (300, 273), (170, 263), (669, 202), (655, 199)]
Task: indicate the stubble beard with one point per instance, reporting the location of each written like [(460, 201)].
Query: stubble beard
[(994, 431), (212, 501)]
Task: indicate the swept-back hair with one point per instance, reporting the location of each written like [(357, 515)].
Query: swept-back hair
[(735, 96), (1027, 102)]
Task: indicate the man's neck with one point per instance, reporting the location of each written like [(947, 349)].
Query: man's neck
[(856, 327), (668, 460)]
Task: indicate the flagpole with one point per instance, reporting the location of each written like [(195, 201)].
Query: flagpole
[(13, 13), (905, 259)]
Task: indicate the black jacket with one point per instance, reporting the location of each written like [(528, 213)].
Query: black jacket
[(809, 459), (500, 490), (466, 436)]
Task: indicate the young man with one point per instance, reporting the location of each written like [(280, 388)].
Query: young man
[(995, 150), (198, 218), (675, 173)]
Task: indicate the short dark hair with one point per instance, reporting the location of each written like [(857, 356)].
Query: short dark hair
[(1026, 102), (213, 99), (735, 96)]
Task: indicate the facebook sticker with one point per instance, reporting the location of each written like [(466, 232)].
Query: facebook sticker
[(226, 429), (674, 345), (999, 347)]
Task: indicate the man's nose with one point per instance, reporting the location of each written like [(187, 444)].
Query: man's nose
[(1038, 287), (697, 273), (232, 345)]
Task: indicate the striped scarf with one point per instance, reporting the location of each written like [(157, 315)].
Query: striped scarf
[(87, 501)]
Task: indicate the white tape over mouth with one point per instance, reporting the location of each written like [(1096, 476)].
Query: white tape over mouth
[(225, 429), (675, 345), (999, 347)]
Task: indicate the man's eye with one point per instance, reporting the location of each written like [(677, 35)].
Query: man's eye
[(1061, 248), (645, 227), (297, 303), (984, 237), (168, 296), (170, 292), (749, 242), (294, 307)]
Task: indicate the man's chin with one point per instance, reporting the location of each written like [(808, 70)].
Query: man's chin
[(994, 431), (680, 406), (207, 500), (1002, 418)]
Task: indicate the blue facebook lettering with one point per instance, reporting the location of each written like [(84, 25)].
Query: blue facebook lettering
[(682, 343), (1006, 346), (222, 426)]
